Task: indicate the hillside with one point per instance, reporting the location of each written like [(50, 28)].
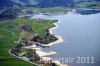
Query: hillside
[(49, 3), (54, 3), (35, 3), (6, 6), (20, 3)]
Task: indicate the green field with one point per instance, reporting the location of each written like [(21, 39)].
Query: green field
[(6, 42), (7, 39), (51, 9)]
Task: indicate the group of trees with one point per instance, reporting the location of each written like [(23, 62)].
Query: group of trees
[(26, 28), (31, 54), (16, 50), (44, 39)]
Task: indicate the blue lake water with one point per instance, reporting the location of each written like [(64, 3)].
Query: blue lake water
[(81, 35)]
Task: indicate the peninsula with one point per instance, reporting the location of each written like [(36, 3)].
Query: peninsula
[(26, 34)]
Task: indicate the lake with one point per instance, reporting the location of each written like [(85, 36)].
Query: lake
[(81, 35)]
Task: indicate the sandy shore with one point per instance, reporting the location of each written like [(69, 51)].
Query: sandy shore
[(30, 46), (44, 54), (45, 57), (59, 37)]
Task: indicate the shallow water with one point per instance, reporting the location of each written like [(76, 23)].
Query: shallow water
[(81, 35)]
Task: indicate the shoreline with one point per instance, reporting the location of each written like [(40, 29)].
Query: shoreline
[(60, 39), (45, 55), (41, 53)]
